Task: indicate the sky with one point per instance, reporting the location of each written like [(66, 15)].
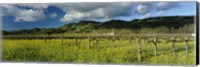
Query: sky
[(52, 15)]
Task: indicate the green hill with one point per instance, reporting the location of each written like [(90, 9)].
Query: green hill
[(169, 23)]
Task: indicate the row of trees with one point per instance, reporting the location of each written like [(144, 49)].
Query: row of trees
[(185, 29)]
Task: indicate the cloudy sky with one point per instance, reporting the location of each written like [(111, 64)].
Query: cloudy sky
[(27, 16)]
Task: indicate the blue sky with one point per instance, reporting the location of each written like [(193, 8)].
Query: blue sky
[(28, 16)]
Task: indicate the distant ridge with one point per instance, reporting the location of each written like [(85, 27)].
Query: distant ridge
[(169, 22)]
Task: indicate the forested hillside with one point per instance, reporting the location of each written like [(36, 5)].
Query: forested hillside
[(166, 24)]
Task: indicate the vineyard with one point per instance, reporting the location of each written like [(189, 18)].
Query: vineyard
[(166, 49)]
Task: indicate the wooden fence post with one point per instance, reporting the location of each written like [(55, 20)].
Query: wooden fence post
[(130, 39), (49, 38), (61, 40), (97, 43), (155, 47), (89, 42), (45, 40), (113, 41), (173, 45), (122, 39), (76, 41), (186, 48), (80, 41)]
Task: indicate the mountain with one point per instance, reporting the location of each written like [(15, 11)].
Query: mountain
[(169, 22), (154, 22)]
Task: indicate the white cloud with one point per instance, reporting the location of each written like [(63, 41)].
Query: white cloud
[(73, 15), (22, 14), (159, 13), (34, 6), (73, 11), (142, 9), (81, 7), (29, 15), (87, 11), (1, 14), (79, 11), (9, 10), (164, 6), (99, 13), (167, 5), (146, 15)]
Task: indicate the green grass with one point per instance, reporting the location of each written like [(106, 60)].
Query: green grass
[(101, 53)]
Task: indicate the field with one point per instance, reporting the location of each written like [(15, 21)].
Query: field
[(102, 51)]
